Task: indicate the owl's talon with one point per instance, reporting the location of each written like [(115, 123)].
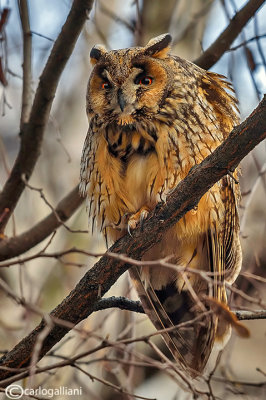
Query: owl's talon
[(128, 229), (139, 217), (144, 214)]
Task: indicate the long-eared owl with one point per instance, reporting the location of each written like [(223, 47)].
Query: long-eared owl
[(152, 117)]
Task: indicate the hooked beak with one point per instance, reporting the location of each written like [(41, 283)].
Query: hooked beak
[(121, 100)]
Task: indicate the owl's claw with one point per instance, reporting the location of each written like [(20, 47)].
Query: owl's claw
[(139, 217), (128, 229), (144, 214)]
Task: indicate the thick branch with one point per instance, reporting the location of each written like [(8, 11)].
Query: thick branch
[(210, 56), (32, 132), (17, 245), (97, 281)]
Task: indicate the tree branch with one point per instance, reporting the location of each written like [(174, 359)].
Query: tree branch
[(32, 132), (17, 245), (210, 56), (126, 304), (80, 303), (118, 302), (250, 315), (27, 49)]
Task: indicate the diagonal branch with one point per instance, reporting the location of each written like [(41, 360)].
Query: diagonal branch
[(210, 56), (32, 132), (80, 303)]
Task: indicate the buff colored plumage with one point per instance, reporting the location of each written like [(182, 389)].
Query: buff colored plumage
[(152, 117)]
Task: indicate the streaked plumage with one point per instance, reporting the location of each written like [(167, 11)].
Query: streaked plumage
[(152, 117)]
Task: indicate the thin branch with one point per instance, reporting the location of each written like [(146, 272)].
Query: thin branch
[(116, 17), (47, 202), (32, 132), (17, 245), (80, 303), (26, 66), (247, 41), (258, 42), (42, 36), (59, 255), (211, 55), (250, 315), (111, 385), (118, 302), (126, 304)]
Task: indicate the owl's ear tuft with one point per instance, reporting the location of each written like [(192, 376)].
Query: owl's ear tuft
[(96, 53), (159, 46)]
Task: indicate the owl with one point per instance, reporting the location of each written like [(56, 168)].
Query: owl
[(153, 116)]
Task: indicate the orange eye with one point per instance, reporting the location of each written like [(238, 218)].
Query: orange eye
[(106, 85), (145, 80)]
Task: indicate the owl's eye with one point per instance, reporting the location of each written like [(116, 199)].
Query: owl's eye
[(106, 85), (144, 80)]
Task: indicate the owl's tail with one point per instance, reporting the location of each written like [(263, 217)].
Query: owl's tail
[(191, 342)]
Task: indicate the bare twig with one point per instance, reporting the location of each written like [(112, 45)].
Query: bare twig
[(258, 42), (253, 276), (47, 202), (249, 315), (247, 41), (12, 247), (116, 17), (59, 255), (110, 384), (211, 55), (42, 36), (27, 56)]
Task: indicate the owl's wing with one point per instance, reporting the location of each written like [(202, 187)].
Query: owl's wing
[(225, 254), (223, 243), (87, 161), (231, 241), (192, 343), (91, 180)]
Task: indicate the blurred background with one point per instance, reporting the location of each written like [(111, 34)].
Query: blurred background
[(44, 282)]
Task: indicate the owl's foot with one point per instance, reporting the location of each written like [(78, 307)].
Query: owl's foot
[(139, 217)]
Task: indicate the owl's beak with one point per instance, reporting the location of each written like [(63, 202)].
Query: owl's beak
[(121, 99)]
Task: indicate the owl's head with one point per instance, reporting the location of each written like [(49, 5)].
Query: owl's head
[(130, 84)]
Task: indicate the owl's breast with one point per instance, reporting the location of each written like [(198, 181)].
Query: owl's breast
[(125, 141), (132, 172), (137, 160)]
